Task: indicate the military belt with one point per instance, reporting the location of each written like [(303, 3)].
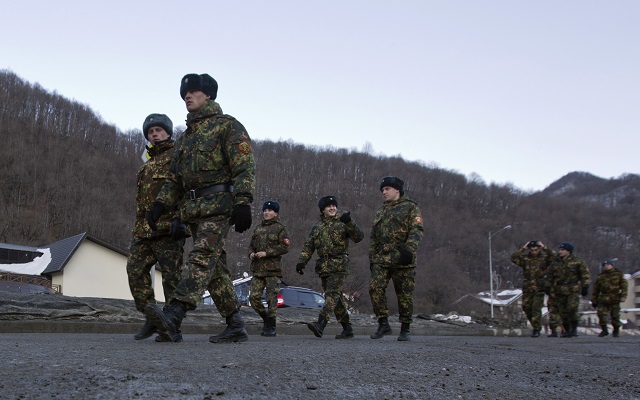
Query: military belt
[(200, 192), (339, 255)]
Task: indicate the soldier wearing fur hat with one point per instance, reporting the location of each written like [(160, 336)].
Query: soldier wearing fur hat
[(534, 258), (270, 241), (609, 290), (330, 238), (147, 246), (568, 278), (212, 177), (396, 233)]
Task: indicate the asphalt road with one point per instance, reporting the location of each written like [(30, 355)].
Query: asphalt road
[(113, 366)]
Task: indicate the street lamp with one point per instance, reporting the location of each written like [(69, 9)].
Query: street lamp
[(491, 267)]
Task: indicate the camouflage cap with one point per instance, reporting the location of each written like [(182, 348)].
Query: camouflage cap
[(203, 82), (160, 120)]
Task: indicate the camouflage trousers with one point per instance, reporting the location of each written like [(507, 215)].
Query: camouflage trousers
[(404, 282), (333, 285), (144, 254), (532, 304), (271, 285), (604, 309), (206, 267), (567, 306)]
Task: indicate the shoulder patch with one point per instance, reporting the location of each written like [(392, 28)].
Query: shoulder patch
[(245, 147)]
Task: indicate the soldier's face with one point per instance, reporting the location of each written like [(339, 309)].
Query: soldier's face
[(268, 214), (156, 134), (535, 250), (390, 194), (564, 253), (195, 100), (330, 210)]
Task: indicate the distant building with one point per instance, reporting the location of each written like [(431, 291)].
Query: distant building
[(80, 266)]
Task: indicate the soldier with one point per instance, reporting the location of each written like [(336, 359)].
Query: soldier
[(330, 237), (609, 290), (150, 247), (270, 241), (213, 174), (568, 278), (395, 236), (534, 264)]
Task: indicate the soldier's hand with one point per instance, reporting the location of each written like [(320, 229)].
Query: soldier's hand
[(300, 268), (584, 291), (153, 215), (241, 217), (345, 218), (177, 230), (406, 257)]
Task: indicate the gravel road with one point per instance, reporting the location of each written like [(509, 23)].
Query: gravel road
[(113, 366)]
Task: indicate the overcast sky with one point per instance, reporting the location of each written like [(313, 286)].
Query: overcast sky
[(519, 92)]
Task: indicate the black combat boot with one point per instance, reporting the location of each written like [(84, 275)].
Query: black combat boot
[(318, 327), (234, 331), (163, 337), (271, 327), (605, 331), (616, 331), (404, 332), (574, 330), (168, 321), (566, 331), (535, 333), (347, 331), (554, 332), (265, 324), (147, 330), (383, 328)]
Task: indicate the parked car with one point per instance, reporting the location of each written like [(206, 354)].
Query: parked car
[(293, 296)]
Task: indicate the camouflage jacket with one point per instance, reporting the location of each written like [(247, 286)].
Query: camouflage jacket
[(271, 237), (397, 225), (534, 269), (151, 177), (567, 275), (610, 287), (215, 149), (330, 238)]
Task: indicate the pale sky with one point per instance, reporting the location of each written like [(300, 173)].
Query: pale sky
[(519, 92)]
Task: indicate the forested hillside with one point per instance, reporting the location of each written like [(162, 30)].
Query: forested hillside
[(64, 171)]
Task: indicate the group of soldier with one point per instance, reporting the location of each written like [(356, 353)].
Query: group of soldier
[(202, 184), (561, 277)]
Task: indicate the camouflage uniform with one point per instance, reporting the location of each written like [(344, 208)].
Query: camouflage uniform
[(608, 291), (397, 225), (147, 246), (215, 149), (566, 277), (330, 238), (271, 237), (534, 269)]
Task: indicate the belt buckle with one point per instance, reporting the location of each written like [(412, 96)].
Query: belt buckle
[(192, 194)]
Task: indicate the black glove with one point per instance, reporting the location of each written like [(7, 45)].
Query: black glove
[(585, 290), (177, 230), (345, 218), (300, 268), (153, 215), (594, 304), (406, 257), (547, 291), (241, 217), (371, 267)]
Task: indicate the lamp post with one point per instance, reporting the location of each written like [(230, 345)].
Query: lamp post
[(491, 267)]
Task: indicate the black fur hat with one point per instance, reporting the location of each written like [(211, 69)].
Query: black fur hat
[(394, 182), (271, 205), (326, 201), (567, 246), (160, 120), (202, 82)]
